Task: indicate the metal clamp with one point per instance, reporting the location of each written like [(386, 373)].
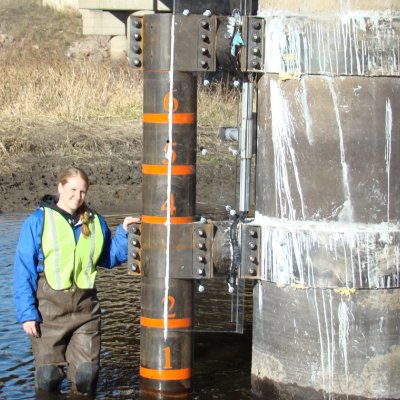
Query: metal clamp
[(202, 236), (136, 41), (134, 250), (252, 57), (250, 246)]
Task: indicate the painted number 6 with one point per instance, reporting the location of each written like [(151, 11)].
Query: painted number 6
[(175, 102)]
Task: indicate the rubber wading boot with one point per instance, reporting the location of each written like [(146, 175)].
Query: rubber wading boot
[(86, 378), (49, 377)]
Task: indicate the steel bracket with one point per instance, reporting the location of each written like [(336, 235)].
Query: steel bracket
[(202, 235), (135, 35), (250, 245), (134, 249), (252, 53), (195, 43)]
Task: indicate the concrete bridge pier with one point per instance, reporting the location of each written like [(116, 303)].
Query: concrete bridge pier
[(327, 309)]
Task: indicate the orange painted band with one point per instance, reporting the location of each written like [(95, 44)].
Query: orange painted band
[(153, 219), (166, 374), (150, 169), (163, 118), (171, 322)]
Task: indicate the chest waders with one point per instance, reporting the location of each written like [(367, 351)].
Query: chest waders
[(67, 302)]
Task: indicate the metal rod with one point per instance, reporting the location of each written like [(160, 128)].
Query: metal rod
[(246, 146)]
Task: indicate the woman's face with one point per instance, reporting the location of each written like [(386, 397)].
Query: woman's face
[(72, 194)]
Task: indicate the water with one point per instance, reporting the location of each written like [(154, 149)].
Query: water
[(222, 359)]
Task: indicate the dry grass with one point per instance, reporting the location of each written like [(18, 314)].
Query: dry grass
[(39, 83), (68, 91)]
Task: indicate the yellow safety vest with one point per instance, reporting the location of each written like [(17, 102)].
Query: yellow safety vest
[(66, 261)]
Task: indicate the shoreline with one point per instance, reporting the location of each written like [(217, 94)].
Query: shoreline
[(110, 152)]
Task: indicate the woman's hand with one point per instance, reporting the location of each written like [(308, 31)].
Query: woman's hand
[(31, 328), (128, 221)]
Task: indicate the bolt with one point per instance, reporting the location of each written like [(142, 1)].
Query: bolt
[(202, 259), (205, 38), (256, 38), (236, 83), (200, 271), (204, 64), (201, 245), (137, 37), (137, 63), (136, 49), (137, 23), (255, 63), (134, 229), (206, 82), (134, 267), (253, 259), (256, 25), (252, 271), (204, 51), (201, 233), (207, 13), (135, 243), (201, 288), (134, 255), (256, 51), (204, 24), (231, 289), (252, 245), (252, 233), (186, 12)]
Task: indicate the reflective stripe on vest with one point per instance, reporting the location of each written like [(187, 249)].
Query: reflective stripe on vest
[(66, 261)]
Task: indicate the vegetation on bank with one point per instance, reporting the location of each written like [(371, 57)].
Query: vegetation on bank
[(40, 81)]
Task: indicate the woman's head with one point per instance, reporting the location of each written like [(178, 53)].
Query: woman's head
[(73, 185)]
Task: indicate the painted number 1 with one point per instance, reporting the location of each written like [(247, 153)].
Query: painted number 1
[(167, 353)]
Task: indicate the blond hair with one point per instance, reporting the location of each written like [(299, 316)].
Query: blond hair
[(83, 210)]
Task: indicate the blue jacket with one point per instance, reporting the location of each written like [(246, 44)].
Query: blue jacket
[(28, 261)]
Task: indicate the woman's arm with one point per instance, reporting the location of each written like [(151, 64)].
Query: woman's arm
[(115, 250), (25, 269)]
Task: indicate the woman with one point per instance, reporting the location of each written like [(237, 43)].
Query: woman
[(60, 246)]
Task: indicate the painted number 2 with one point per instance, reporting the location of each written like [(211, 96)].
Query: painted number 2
[(171, 305)]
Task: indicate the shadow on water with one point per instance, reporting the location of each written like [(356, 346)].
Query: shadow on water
[(222, 358)]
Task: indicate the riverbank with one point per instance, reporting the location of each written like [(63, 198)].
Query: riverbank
[(32, 156)]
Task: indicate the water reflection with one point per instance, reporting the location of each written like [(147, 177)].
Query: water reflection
[(222, 359)]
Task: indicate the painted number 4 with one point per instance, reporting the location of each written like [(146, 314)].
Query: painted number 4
[(172, 208)]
